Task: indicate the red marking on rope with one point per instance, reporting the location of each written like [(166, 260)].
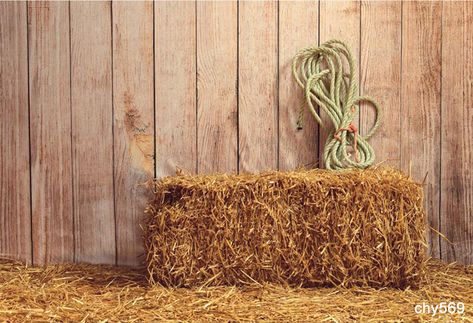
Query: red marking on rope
[(353, 129)]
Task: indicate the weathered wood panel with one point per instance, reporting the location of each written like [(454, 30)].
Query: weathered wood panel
[(50, 115), (217, 115), (339, 20), (297, 147), (175, 87), (133, 99), (208, 86), (457, 131), (92, 142), (420, 102), (258, 86), (380, 76), (15, 212)]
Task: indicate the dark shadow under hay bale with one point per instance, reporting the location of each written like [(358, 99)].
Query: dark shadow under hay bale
[(307, 228)]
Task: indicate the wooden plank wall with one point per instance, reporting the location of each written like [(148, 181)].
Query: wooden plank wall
[(15, 173), (50, 127), (98, 97), (456, 132), (133, 123), (420, 101)]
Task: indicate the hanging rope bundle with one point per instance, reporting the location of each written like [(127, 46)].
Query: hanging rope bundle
[(320, 72)]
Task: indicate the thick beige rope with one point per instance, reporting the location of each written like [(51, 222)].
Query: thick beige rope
[(320, 72)]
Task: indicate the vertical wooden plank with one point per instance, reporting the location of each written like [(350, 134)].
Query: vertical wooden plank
[(457, 131), (175, 87), (91, 94), (133, 97), (258, 86), (380, 75), (50, 114), (420, 102), (297, 147), (15, 212), (217, 116), (339, 20)]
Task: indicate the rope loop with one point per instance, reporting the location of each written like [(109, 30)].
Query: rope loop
[(322, 73)]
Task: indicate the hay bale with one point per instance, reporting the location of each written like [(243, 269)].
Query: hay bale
[(302, 228)]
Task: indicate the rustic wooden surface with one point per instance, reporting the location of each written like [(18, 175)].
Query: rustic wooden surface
[(420, 102), (50, 126), (258, 85), (92, 133), (457, 131), (103, 95), (217, 110), (15, 207), (297, 147), (175, 87), (381, 78), (133, 102)]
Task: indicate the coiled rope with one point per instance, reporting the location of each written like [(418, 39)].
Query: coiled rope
[(320, 72)]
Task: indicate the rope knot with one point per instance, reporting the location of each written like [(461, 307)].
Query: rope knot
[(354, 130), (351, 128)]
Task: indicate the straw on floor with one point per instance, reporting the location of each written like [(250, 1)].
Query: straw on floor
[(302, 228), (93, 293)]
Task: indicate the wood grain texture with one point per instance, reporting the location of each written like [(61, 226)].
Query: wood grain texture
[(339, 20), (420, 102), (15, 212), (217, 116), (133, 98), (380, 76), (175, 84), (50, 115), (218, 75), (457, 131), (297, 147), (91, 94), (258, 86)]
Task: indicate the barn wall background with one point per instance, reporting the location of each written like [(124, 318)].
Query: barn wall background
[(97, 97)]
